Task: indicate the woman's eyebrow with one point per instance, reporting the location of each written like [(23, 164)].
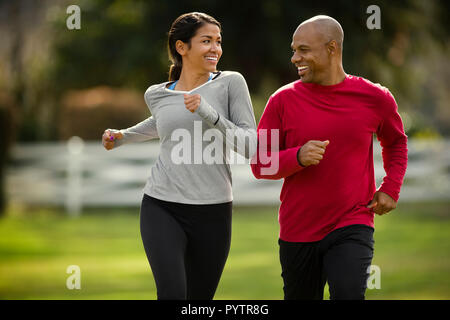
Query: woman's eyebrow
[(209, 37)]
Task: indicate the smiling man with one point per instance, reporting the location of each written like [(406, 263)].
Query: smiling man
[(325, 123)]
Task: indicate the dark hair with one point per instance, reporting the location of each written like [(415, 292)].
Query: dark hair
[(184, 28)]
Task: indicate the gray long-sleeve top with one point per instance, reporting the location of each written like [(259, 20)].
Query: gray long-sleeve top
[(193, 164)]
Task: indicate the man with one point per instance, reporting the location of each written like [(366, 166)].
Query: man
[(325, 124)]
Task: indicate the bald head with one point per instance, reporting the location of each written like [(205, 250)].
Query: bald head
[(326, 27), (317, 50)]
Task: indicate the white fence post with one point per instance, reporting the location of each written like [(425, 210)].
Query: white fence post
[(74, 201)]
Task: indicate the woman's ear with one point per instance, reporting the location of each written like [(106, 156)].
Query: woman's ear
[(181, 47)]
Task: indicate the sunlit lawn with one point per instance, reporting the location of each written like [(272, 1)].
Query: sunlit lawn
[(412, 247)]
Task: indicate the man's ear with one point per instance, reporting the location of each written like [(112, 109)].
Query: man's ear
[(181, 47), (332, 47)]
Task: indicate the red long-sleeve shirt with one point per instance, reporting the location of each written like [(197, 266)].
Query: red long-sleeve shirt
[(318, 199)]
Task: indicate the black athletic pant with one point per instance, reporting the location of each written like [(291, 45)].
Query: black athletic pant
[(342, 258), (187, 246)]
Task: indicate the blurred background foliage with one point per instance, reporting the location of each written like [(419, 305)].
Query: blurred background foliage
[(56, 83), (122, 45)]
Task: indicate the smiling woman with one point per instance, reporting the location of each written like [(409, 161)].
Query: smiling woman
[(186, 208), (194, 39), (199, 57)]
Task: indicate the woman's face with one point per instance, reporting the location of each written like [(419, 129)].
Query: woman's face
[(205, 49)]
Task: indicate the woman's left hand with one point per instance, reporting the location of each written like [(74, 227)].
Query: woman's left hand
[(192, 101)]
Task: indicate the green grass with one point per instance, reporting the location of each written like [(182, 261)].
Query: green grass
[(412, 246)]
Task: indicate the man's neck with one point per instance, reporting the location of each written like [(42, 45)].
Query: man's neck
[(337, 75)]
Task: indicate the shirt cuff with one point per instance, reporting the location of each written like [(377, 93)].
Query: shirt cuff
[(298, 158), (394, 195), (289, 162), (208, 113)]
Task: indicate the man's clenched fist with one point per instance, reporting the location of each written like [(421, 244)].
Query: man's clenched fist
[(311, 153)]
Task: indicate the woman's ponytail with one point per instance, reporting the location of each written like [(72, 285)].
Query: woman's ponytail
[(175, 72)]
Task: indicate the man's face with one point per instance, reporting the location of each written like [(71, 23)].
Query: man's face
[(310, 55)]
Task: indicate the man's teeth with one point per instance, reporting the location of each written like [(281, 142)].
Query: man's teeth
[(302, 68)]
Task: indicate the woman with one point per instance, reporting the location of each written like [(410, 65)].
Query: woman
[(186, 208)]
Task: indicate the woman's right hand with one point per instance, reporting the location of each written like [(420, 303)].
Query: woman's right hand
[(109, 137)]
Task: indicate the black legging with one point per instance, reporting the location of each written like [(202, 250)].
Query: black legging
[(187, 246)]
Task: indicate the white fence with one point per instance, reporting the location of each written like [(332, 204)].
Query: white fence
[(80, 174)]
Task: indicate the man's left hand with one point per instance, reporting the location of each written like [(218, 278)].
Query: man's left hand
[(382, 203)]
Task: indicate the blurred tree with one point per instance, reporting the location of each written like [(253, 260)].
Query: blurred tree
[(7, 134), (122, 43), (6, 98)]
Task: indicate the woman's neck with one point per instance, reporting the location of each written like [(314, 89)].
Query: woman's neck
[(191, 80)]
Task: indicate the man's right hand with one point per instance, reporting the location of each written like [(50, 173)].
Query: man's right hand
[(109, 137), (311, 153)]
